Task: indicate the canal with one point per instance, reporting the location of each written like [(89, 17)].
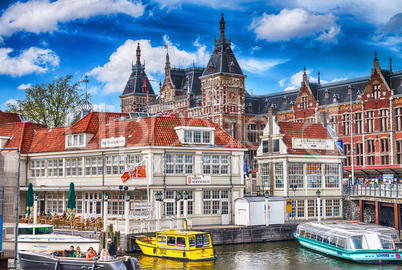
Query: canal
[(287, 255)]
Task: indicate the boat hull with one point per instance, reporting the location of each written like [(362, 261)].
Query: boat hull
[(187, 254), (360, 256), (31, 260)]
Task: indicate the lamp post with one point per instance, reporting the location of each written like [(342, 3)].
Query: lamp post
[(185, 206), (158, 198), (294, 188), (266, 208), (351, 134), (178, 197), (127, 210), (318, 193), (35, 195), (105, 200)]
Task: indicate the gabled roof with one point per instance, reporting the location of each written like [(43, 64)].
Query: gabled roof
[(6, 117), (305, 130), (21, 135)]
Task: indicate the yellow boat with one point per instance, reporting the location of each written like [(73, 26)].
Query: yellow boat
[(184, 245)]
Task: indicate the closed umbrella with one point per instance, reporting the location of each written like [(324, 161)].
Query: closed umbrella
[(30, 199), (71, 203)]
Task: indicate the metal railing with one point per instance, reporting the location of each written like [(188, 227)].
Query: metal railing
[(374, 190), (149, 225)]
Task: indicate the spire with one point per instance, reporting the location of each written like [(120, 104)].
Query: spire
[(376, 64), (305, 79), (319, 79), (167, 65), (390, 64), (138, 54), (222, 27)]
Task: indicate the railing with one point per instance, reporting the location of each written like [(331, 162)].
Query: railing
[(375, 190), (149, 225)]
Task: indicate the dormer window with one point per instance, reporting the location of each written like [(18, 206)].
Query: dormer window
[(211, 68), (231, 66), (326, 93), (250, 108), (75, 140), (285, 99), (195, 135), (266, 102), (335, 98)]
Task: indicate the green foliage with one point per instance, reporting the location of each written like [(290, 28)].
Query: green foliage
[(51, 104)]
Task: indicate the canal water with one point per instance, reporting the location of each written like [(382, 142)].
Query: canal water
[(288, 255)]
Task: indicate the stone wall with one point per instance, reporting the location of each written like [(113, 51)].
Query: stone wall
[(351, 210)]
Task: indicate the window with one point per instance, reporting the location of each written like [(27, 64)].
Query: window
[(383, 119), (275, 145), (296, 174), (178, 164), (214, 201), (265, 175), (300, 208), (398, 152), (38, 168), (333, 121), (311, 206), (328, 208), (55, 168), (358, 123), (303, 103), (54, 202), (398, 118), (346, 124), (75, 140), (359, 154), (278, 170), (197, 136), (265, 147), (376, 92), (74, 167), (94, 166), (370, 121), (384, 151), (370, 152), (215, 164), (313, 175), (252, 133), (348, 154), (232, 130), (114, 165), (331, 173)]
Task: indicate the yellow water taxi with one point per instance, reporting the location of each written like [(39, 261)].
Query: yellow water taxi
[(184, 245)]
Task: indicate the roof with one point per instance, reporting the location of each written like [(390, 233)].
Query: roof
[(152, 130), (6, 117), (261, 199), (305, 130), (21, 134)]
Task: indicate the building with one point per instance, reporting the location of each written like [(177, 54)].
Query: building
[(367, 109), (182, 154), (297, 160)]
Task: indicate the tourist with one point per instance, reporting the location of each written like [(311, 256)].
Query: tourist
[(91, 255), (104, 255), (111, 248), (49, 215), (64, 214), (54, 214), (78, 253), (119, 252), (69, 252)]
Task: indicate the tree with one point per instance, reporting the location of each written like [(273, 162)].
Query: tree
[(51, 104)]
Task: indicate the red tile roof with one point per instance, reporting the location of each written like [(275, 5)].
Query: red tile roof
[(22, 135), (6, 117), (305, 130), (91, 122)]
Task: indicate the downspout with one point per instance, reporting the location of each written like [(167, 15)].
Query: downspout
[(103, 165), (26, 171)]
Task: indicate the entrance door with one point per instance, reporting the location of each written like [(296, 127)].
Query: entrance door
[(225, 213), (93, 205)]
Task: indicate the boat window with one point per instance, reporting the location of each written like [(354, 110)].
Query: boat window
[(191, 241), (302, 232), (44, 230), (341, 243), (161, 239), (181, 241), (206, 240), (386, 242), (199, 239), (355, 242), (307, 235), (25, 231), (325, 240), (332, 241), (171, 241), (313, 236), (319, 238)]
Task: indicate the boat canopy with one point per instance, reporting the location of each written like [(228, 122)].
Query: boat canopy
[(340, 236)]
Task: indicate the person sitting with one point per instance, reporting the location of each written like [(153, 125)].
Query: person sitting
[(104, 255), (91, 255), (119, 252), (69, 252), (78, 253), (54, 214)]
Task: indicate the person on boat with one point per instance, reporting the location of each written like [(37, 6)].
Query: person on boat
[(111, 248), (119, 252), (91, 255), (78, 253), (69, 252), (104, 255)]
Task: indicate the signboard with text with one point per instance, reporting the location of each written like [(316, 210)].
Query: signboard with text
[(312, 143), (198, 180)]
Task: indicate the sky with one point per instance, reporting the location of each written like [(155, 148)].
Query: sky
[(42, 40)]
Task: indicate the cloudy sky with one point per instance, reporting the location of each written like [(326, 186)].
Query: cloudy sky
[(42, 40)]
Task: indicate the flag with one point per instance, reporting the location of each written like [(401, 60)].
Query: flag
[(137, 171), (165, 46), (145, 89)]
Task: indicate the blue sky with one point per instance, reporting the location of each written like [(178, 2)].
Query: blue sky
[(43, 40)]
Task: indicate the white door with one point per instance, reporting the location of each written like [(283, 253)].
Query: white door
[(93, 208), (225, 213)]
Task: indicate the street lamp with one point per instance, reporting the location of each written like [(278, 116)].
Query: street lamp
[(105, 200), (35, 195), (185, 206), (178, 197), (122, 189), (294, 188), (127, 196), (318, 193), (266, 208), (127, 211)]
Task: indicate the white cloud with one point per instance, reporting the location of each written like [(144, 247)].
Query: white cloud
[(11, 102), (255, 49), (115, 73), (290, 88), (259, 65), (32, 60), (296, 79), (45, 16), (24, 86), (282, 82), (103, 107), (296, 23), (215, 4)]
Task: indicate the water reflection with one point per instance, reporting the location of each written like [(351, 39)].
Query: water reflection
[(270, 256)]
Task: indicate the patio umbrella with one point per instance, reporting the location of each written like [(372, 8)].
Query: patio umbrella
[(30, 199), (71, 203)]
